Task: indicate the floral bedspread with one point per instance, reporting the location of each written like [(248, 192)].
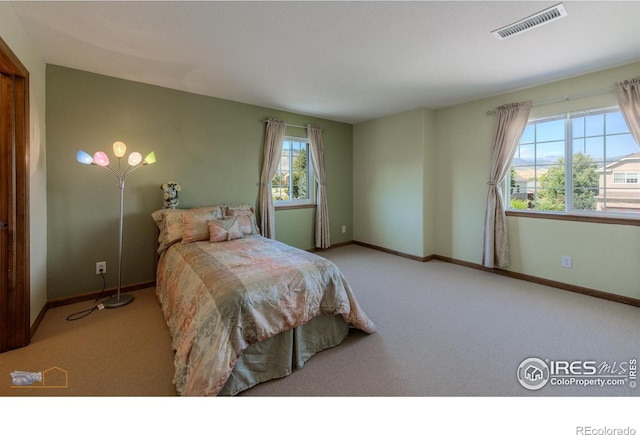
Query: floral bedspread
[(219, 298)]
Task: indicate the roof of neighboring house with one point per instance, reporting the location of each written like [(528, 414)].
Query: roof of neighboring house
[(625, 159)]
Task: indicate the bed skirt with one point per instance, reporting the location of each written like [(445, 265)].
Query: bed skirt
[(278, 356)]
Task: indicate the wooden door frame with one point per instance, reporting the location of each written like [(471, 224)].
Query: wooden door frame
[(15, 304)]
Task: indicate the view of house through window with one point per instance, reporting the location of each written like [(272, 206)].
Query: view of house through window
[(293, 183), (600, 175)]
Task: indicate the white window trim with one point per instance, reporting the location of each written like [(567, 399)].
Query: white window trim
[(569, 212), (311, 182)]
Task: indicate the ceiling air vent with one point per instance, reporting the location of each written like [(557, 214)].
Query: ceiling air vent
[(543, 17)]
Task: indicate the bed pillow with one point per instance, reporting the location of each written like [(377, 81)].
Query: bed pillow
[(244, 206), (169, 233), (246, 220), (223, 230)]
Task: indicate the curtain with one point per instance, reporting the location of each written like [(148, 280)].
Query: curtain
[(628, 95), (510, 124), (323, 236), (273, 137)]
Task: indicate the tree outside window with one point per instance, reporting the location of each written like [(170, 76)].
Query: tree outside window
[(293, 178), (601, 147)]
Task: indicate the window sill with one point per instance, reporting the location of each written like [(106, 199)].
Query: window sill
[(293, 206), (615, 220)]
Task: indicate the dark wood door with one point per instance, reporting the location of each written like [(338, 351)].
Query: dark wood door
[(6, 179), (14, 180)]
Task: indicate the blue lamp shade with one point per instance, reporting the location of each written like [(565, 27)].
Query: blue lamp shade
[(84, 158)]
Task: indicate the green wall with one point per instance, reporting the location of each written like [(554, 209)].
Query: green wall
[(394, 194), (394, 172), (212, 147), (20, 43), (605, 256)]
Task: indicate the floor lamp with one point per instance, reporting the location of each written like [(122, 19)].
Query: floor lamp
[(135, 161)]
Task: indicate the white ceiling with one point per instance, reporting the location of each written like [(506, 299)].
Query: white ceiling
[(345, 61)]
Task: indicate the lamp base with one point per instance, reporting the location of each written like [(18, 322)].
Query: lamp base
[(117, 301)]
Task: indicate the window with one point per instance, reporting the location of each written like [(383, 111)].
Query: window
[(625, 177), (293, 183), (600, 175)]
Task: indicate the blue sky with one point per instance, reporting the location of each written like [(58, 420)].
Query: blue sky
[(588, 137)]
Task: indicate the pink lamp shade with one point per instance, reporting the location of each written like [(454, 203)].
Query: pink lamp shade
[(135, 158), (84, 158), (101, 159)]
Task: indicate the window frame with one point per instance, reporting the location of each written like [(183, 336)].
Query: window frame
[(283, 204), (569, 213)]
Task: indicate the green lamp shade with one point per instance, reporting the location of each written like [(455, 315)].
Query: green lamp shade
[(150, 159)]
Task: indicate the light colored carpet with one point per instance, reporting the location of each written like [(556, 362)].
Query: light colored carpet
[(443, 330), (448, 330), (117, 352)]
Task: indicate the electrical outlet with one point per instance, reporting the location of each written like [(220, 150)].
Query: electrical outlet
[(566, 262), (344, 229), (101, 267)]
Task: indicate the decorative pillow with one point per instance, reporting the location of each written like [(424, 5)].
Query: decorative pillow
[(195, 225), (246, 220), (222, 230), (170, 223)]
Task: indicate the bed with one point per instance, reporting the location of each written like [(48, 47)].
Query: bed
[(243, 309)]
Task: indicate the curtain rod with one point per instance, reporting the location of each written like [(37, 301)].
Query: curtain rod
[(566, 98), (288, 125)]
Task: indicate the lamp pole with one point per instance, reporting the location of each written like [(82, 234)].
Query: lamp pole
[(119, 299)]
